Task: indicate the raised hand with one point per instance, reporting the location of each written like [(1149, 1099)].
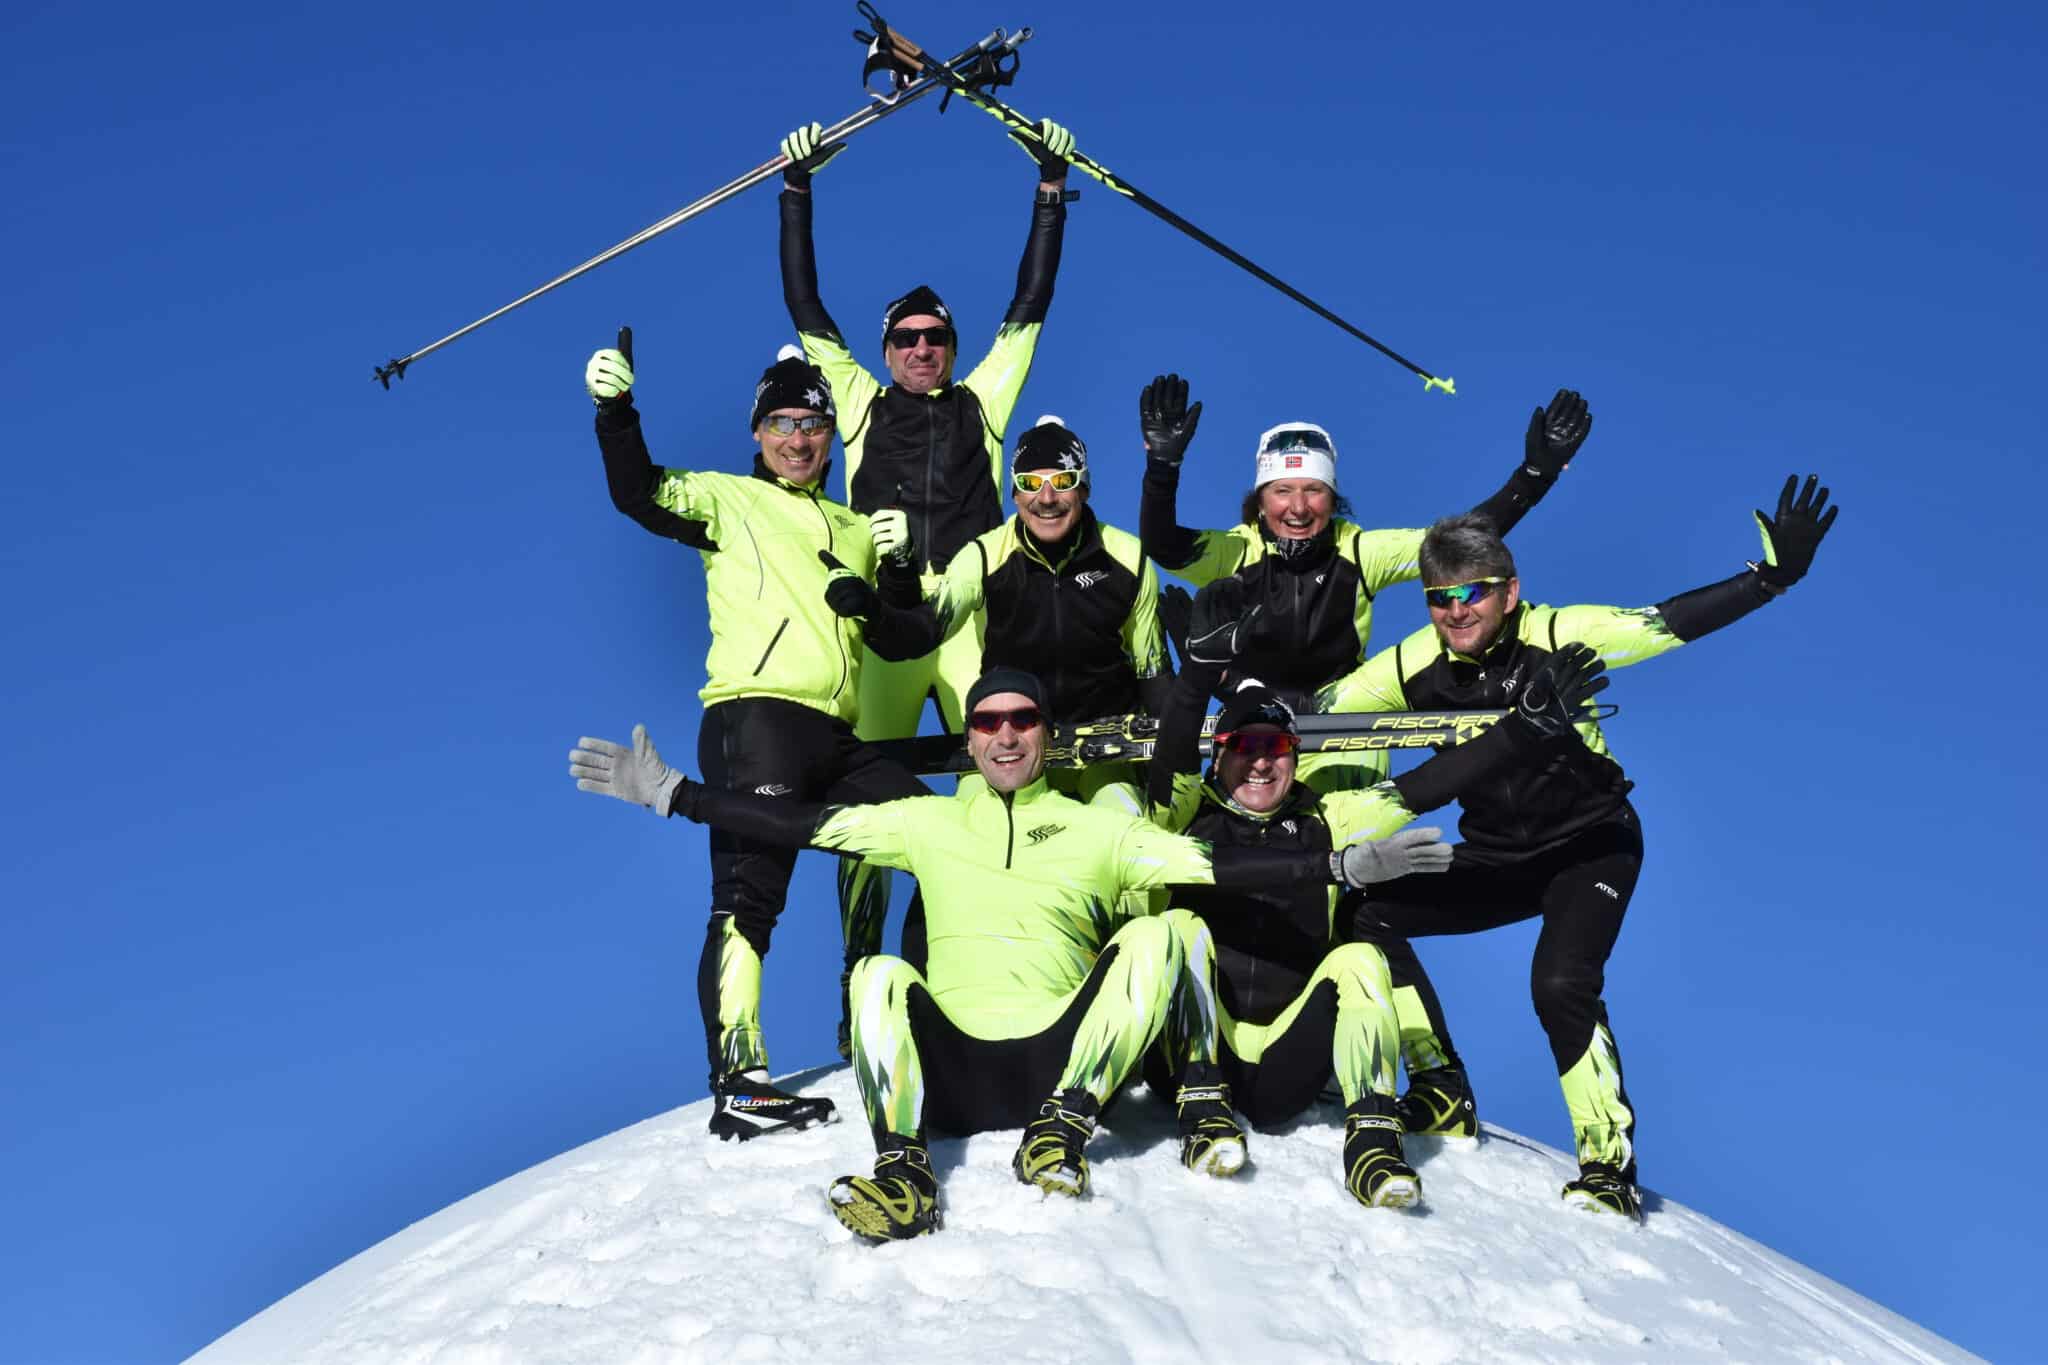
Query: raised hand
[(806, 156), (634, 774), (1397, 855), (1219, 627), (1558, 695), (1165, 418), (1555, 434), (608, 376), (1791, 537), (1049, 149)]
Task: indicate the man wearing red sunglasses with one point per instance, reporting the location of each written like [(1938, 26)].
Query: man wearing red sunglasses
[(1558, 841), (1273, 1001), (1039, 995)]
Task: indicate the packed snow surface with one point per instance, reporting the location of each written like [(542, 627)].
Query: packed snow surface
[(660, 1243)]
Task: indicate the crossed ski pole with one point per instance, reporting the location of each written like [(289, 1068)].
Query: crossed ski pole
[(916, 60), (983, 57)]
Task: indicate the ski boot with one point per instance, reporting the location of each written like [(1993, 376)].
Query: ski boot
[(900, 1200), (745, 1106), (1375, 1171), (1602, 1189), (1050, 1154), (1210, 1139), (1439, 1104)]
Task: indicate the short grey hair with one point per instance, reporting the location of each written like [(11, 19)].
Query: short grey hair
[(1461, 548)]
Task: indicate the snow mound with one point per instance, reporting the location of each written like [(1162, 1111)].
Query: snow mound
[(660, 1243)]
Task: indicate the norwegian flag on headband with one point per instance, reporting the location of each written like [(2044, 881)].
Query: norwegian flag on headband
[(1294, 461)]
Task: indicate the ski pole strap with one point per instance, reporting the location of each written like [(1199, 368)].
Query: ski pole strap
[(909, 54)]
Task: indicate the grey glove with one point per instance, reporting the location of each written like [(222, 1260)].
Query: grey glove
[(636, 774), (1397, 855)]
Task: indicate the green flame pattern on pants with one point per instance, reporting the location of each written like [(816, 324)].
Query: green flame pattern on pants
[(1092, 1043), (863, 906), (1421, 1049), (1603, 1124), (729, 990), (1364, 1041)]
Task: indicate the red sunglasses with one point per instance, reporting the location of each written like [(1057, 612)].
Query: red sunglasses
[(1021, 719), (1265, 744)]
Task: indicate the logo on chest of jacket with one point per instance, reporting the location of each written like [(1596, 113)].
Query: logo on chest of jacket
[(1090, 578), (1042, 833), (1289, 827), (773, 789)]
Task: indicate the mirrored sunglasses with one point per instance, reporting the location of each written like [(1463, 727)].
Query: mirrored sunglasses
[(1025, 481), (1475, 591), (1295, 438), (1263, 744), (782, 424)]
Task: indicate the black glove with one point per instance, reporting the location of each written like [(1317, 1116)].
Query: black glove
[(1166, 420), (1219, 627), (1176, 608), (846, 592), (1558, 695), (1794, 534), (1555, 434)]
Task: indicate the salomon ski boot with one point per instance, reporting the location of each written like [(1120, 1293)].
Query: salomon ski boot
[(1375, 1171), (1050, 1154), (1602, 1189), (745, 1106), (1439, 1104), (1210, 1139), (900, 1200)]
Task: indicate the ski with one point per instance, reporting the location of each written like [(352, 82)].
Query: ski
[(1129, 738)]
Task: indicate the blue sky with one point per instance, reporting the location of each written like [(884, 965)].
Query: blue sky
[(310, 935)]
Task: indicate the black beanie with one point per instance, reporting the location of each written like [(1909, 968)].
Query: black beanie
[(1251, 702), (1050, 445), (1001, 679), (791, 382), (918, 300)]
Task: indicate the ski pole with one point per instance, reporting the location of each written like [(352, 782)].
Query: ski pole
[(880, 106), (917, 60)]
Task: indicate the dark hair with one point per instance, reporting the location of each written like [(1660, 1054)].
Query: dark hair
[(1248, 510), (1458, 549)]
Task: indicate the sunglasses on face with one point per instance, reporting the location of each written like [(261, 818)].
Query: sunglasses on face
[(1060, 479), (1022, 719), (903, 338), (1264, 744), (782, 424), (1475, 591)]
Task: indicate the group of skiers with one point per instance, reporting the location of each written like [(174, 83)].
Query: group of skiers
[(1235, 927)]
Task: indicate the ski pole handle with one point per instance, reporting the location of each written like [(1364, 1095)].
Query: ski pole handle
[(626, 345)]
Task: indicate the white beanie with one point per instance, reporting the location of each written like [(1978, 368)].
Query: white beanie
[(1296, 450)]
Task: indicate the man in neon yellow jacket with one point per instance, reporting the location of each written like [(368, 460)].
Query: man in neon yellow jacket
[(1039, 994)]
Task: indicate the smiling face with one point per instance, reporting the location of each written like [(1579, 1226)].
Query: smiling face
[(1008, 758), (1297, 509), (1258, 784), (799, 456), (1049, 514), (1469, 628), (922, 367)]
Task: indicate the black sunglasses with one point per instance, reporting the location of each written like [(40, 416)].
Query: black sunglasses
[(903, 338)]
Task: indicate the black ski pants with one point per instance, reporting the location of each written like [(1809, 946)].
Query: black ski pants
[(1581, 888)]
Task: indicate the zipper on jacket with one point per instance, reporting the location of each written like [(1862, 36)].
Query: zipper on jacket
[(837, 638), (772, 642), (1010, 815)]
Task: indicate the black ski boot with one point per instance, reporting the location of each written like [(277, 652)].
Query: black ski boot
[(746, 1106), (1439, 1104), (900, 1200), (1050, 1154), (1602, 1189), (1375, 1171), (1210, 1139)]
